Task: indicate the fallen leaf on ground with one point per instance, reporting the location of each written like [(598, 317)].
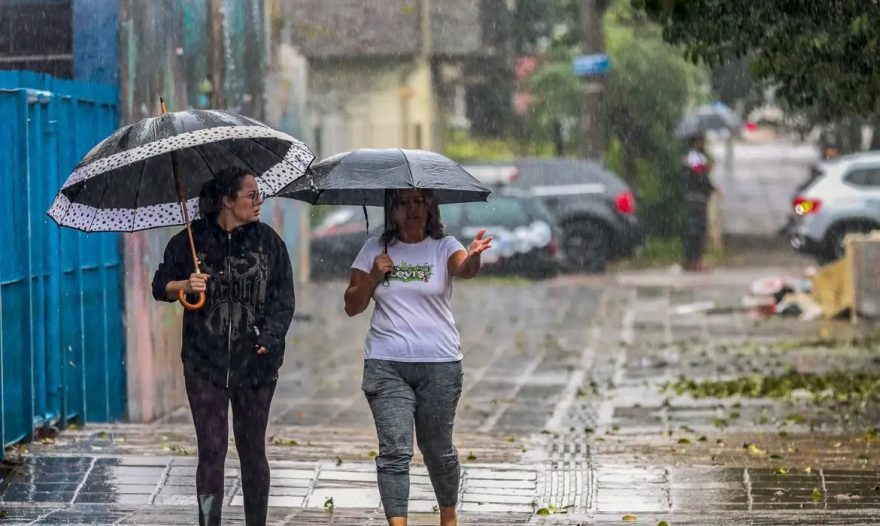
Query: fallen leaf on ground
[(278, 441)]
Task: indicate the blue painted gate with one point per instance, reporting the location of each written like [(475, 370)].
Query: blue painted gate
[(62, 347)]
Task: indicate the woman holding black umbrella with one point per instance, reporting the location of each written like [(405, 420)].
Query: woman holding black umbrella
[(412, 370), (234, 346)]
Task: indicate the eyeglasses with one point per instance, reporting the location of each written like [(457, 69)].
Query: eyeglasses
[(255, 197)]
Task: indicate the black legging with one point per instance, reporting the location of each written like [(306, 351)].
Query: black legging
[(696, 222), (250, 416)]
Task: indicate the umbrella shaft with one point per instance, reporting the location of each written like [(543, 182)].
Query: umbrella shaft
[(182, 197)]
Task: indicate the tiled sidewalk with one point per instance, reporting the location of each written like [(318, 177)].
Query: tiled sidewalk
[(564, 411)]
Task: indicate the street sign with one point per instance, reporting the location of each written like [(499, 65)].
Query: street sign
[(591, 65)]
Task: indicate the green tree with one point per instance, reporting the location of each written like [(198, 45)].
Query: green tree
[(648, 90), (822, 56)]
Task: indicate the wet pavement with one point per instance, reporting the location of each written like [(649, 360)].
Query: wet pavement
[(567, 418)]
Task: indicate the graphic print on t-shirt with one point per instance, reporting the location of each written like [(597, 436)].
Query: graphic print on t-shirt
[(407, 273)]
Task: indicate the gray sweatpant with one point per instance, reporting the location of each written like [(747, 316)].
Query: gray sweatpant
[(425, 394)]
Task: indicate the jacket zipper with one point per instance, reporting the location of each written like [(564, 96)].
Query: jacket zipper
[(229, 310)]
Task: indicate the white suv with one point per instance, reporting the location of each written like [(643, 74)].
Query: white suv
[(843, 198)]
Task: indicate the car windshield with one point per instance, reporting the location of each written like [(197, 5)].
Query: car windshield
[(501, 211), (337, 217), (346, 215)]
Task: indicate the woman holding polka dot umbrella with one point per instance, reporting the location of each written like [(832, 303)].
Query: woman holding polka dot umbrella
[(218, 166), (149, 174)]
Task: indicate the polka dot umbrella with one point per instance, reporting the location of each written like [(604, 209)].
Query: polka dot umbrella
[(149, 174)]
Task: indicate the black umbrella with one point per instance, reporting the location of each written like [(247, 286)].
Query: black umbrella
[(361, 177), (149, 174), (715, 116)]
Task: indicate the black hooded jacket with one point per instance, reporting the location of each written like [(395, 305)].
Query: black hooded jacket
[(250, 302)]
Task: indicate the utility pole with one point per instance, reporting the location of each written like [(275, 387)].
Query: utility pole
[(594, 131), (217, 60)]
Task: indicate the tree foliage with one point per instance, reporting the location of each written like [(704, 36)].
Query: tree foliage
[(647, 91), (822, 56)]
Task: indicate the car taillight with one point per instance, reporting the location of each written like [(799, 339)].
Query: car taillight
[(625, 202), (552, 247), (803, 206)]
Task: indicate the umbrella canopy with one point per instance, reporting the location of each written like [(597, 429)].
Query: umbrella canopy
[(361, 177), (709, 117), (128, 183)]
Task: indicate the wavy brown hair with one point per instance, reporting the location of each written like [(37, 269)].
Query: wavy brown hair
[(225, 183), (433, 228)]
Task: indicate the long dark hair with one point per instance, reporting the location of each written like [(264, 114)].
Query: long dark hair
[(225, 183), (433, 228)]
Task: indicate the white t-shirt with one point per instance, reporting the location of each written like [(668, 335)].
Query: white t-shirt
[(412, 321)]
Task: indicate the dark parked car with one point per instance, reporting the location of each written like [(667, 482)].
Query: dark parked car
[(595, 209), (524, 235)]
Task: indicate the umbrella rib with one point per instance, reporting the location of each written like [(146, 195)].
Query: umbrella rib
[(70, 197), (240, 158), (281, 157), (137, 194), (408, 167), (305, 172), (198, 151), (263, 146), (104, 193)]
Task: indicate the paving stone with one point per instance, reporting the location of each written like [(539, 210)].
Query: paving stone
[(345, 497), (588, 371)]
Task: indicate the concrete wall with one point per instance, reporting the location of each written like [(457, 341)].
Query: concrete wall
[(286, 108), (197, 54), (370, 103)]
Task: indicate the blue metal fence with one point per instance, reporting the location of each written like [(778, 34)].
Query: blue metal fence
[(62, 346)]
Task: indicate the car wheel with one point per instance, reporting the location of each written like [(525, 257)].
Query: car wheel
[(540, 272), (586, 247)]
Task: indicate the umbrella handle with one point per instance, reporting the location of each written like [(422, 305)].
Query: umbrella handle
[(181, 297), (386, 280)]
